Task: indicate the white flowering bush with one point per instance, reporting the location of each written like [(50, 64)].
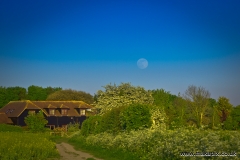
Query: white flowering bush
[(123, 95), (157, 144)]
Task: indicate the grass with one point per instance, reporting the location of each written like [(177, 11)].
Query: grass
[(106, 154)]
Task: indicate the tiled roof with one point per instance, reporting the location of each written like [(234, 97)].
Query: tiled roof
[(4, 119), (15, 108)]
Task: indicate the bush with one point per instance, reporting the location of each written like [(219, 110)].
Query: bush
[(92, 125), (73, 127), (135, 116), (36, 122), (157, 144)]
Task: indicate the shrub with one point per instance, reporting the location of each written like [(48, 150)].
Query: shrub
[(135, 116), (36, 122), (73, 127), (157, 144)]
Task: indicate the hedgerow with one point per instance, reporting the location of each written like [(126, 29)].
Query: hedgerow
[(169, 144)]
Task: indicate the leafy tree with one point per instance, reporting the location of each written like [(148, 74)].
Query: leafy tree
[(122, 95), (68, 94), (212, 114), (36, 122), (36, 93), (233, 120), (3, 97), (11, 94), (197, 98), (135, 116), (178, 111), (224, 108)]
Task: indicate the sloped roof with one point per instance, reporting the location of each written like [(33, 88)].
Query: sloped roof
[(4, 119), (15, 108)]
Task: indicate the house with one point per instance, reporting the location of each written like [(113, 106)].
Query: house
[(57, 113)]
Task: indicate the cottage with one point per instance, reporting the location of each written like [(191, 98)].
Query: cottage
[(57, 113)]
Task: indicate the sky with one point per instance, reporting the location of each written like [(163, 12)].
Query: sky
[(87, 44)]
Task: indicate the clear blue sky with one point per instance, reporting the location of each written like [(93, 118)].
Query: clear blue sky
[(86, 44)]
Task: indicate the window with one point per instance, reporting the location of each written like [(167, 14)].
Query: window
[(51, 111), (64, 111), (32, 112), (82, 112)]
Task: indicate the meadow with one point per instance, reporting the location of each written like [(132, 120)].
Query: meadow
[(17, 144)]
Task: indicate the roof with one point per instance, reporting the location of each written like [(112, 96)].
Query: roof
[(4, 119), (15, 108)]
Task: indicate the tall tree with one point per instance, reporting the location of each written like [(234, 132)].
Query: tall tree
[(68, 94), (122, 95), (224, 108), (11, 94), (36, 93), (198, 98)]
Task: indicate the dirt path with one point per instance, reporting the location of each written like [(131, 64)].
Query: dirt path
[(67, 152)]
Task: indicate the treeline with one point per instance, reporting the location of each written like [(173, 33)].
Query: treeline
[(125, 107), (37, 93)]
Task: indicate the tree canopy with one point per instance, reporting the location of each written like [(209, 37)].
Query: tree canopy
[(69, 94), (122, 95), (198, 98)]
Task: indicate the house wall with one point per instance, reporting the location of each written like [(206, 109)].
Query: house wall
[(64, 120)]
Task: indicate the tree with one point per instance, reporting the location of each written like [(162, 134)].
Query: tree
[(135, 116), (11, 94), (36, 122), (122, 95), (224, 108), (197, 98), (68, 94), (36, 93)]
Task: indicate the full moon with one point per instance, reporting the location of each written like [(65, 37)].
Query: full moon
[(142, 63)]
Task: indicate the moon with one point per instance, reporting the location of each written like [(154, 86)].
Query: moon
[(142, 63)]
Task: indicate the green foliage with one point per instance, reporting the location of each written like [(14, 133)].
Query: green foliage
[(224, 108), (11, 94), (92, 125), (158, 118), (198, 103), (18, 93), (233, 120), (36, 93), (36, 122), (73, 127), (157, 144), (66, 95), (10, 128), (111, 120), (135, 116), (122, 95), (26, 146), (101, 151)]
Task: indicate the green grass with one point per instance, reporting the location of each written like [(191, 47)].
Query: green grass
[(98, 151)]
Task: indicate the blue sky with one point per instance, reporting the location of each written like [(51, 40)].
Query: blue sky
[(86, 44)]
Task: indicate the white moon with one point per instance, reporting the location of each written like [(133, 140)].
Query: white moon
[(142, 63)]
